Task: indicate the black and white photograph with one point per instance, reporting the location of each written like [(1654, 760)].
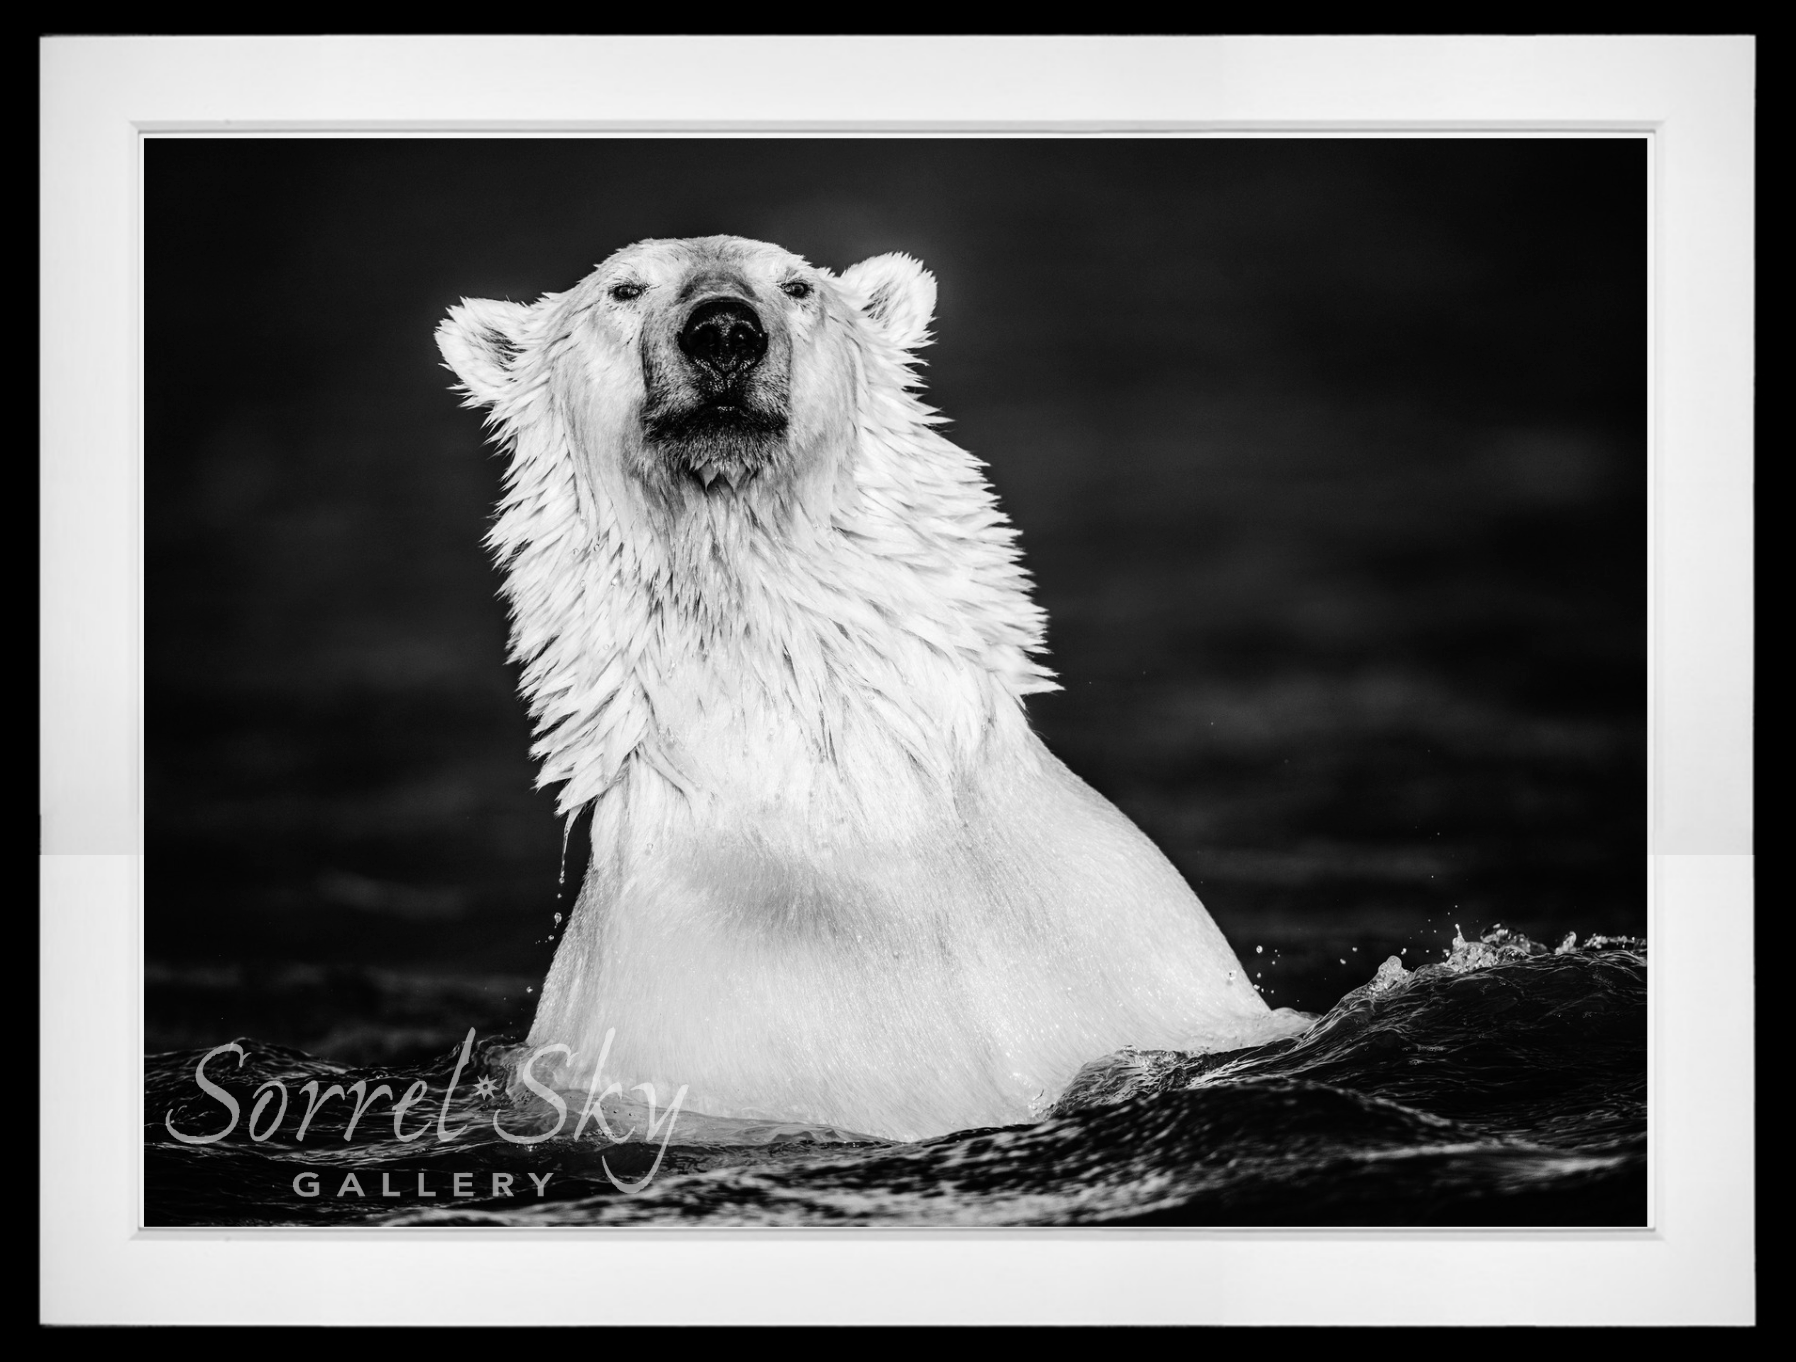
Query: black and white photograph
[(896, 681)]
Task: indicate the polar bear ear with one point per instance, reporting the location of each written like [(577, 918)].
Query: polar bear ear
[(480, 339), (898, 296)]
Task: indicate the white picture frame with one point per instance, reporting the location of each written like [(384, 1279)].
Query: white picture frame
[(99, 95)]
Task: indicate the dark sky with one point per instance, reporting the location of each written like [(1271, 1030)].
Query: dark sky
[(1328, 458)]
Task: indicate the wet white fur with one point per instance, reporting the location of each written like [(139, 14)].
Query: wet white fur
[(835, 876)]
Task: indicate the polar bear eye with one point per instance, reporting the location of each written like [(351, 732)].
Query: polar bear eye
[(626, 291), (796, 288)]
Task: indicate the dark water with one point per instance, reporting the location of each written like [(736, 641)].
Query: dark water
[(1502, 1085)]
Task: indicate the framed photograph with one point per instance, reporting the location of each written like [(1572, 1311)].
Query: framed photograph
[(769, 685)]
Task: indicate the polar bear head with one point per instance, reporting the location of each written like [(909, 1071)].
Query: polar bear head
[(696, 372)]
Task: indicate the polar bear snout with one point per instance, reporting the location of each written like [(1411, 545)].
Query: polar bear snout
[(716, 390), (724, 338)]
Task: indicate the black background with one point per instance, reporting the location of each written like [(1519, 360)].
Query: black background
[(1328, 456)]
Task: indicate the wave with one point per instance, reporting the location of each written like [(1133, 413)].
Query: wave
[(1504, 1085)]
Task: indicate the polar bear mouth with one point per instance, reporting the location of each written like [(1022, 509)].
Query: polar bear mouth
[(718, 444)]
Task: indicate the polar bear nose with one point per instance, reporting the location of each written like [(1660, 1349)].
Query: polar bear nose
[(724, 336)]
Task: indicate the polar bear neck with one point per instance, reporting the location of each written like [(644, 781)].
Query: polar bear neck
[(820, 661)]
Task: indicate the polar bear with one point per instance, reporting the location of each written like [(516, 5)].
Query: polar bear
[(773, 629)]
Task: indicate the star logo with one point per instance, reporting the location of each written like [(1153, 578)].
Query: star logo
[(485, 1088)]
